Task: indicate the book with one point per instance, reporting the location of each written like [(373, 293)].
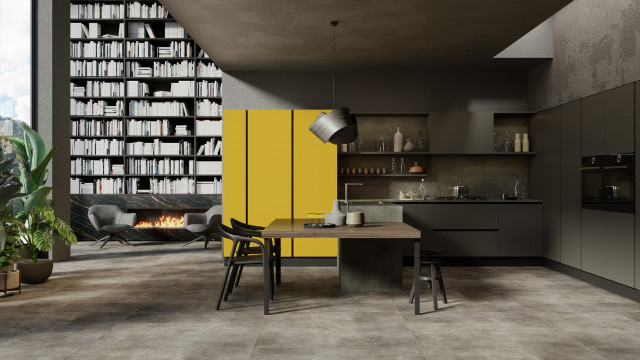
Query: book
[(94, 30), (149, 31), (201, 150)]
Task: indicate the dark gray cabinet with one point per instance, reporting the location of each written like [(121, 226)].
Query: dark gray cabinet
[(570, 183), (544, 177), (619, 120), (593, 241), (460, 132), (468, 243), (593, 125), (637, 180), (520, 226), (419, 216), (619, 248), (466, 217)]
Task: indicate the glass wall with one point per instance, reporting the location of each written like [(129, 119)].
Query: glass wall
[(15, 61)]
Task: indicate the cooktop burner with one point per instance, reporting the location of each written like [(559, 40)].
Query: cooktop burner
[(462, 198)]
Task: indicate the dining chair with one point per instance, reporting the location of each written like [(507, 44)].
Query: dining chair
[(255, 231), (238, 258), (112, 220)]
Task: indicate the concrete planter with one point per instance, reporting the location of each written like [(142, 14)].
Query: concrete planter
[(35, 273), (10, 281)]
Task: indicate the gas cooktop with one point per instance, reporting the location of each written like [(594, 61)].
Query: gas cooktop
[(460, 198)]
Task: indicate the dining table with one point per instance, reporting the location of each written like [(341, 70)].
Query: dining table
[(295, 228)]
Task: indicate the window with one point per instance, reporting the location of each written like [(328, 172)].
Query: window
[(15, 60)]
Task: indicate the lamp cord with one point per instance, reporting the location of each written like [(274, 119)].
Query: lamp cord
[(333, 77)]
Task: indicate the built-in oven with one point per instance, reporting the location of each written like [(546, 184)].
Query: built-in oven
[(608, 182)]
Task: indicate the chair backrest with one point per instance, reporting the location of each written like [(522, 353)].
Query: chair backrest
[(233, 235), (246, 229), (214, 210), (105, 214)]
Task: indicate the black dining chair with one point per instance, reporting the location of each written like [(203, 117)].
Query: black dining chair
[(239, 258), (255, 231)]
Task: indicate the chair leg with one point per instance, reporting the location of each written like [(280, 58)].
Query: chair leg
[(278, 263), (106, 240), (413, 290), (232, 280), (192, 241), (441, 282), (272, 280), (206, 240), (433, 288), (224, 284), (127, 242), (239, 274), (97, 241)]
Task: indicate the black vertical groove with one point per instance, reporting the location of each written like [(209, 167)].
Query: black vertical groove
[(246, 166), (292, 183)]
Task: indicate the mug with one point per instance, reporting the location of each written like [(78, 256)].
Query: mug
[(355, 218)]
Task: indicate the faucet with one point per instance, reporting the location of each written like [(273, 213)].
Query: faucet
[(346, 193)]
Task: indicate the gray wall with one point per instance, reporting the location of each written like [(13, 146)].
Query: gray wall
[(378, 91), (52, 81), (597, 48)]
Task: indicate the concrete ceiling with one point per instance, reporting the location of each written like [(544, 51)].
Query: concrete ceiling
[(265, 35)]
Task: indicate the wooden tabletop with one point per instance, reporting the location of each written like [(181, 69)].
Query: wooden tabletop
[(294, 228)]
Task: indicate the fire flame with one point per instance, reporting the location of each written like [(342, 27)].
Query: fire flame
[(165, 222)]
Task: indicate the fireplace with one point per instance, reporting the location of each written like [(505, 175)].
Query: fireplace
[(163, 224)]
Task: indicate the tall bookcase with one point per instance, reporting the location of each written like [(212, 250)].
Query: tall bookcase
[(144, 137)]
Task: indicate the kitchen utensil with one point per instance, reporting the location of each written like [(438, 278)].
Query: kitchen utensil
[(355, 218), (459, 191)]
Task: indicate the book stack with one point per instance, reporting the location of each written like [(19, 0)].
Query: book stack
[(208, 108), (164, 166), (104, 89), (136, 70), (85, 127), (77, 91), (211, 147), (166, 108), (109, 186), (209, 127), (96, 108), (117, 169), (145, 11), (137, 88), (96, 68), (111, 49), (81, 147), (209, 187), (202, 54), (181, 130), (209, 168), (182, 88), (95, 30), (184, 68), (135, 30), (173, 30), (208, 88), (86, 188), (141, 49), (183, 185), (208, 70), (158, 147), (176, 49), (78, 31), (148, 127), (97, 11)]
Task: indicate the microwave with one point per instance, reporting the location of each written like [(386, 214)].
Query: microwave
[(608, 182)]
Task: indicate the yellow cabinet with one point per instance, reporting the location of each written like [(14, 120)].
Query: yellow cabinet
[(314, 182), (274, 167)]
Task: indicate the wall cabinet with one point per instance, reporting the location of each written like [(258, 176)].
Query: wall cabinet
[(593, 128), (520, 230), (570, 201)]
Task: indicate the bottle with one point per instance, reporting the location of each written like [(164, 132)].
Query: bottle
[(508, 144), (495, 142), (393, 165), (420, 141), (525, 142), (517, 144), (381, 145), (361, 144), (516, 189), (422, 190), (398, 141), (402, 168)]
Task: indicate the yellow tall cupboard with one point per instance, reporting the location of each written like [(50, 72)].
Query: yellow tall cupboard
[(234, 198)]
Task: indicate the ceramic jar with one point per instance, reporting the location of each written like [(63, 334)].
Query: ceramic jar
[(335, 216), (409, 146)]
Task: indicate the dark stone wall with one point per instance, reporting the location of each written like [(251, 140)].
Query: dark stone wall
[(596, 48)]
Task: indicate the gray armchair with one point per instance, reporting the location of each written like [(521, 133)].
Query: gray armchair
[(110, 219), (205, 224)]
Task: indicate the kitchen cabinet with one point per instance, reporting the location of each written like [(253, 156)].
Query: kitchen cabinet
[(544, 177), (235, 170), (570, 185), (593, 241), (468, 243), (637, 183), (466, 217), (619, 247), (619, 130), (460, 132), (420, 216), (593, 125), (519, 233)]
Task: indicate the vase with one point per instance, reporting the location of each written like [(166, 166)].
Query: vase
[(416, 168), (9, 281), (336, 216), (517, 144), (408, 146), (398, 141), (525, 142)]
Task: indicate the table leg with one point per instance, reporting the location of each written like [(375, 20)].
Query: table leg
[(278, 262), (416, 275), (267, 275)]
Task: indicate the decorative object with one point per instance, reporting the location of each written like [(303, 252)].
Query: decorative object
[(402, 196), (402, 166), (352, 147), (422, 190), (355, 218), (408, 146), (384, 170), (382, 147), (35, 272), (9, 281), (516, 189), (517, 144), (344, 148), (421, 146), (525, 142), (335, 216), (361, 147), (416, 168), (377, 171), (508, 144), (393, 166), (366, 171), (42, 226), (495, 141), (338, 126), (398, 141)]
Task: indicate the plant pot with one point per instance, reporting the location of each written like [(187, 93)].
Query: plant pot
[(35, 273), (10, 280)]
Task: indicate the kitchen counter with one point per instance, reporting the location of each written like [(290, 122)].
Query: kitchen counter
[(398, 201)]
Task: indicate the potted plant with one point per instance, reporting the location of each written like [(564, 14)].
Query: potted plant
[(9, 224), (41, 225)]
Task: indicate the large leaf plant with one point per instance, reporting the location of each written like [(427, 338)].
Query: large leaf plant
[(41, 224), (9, 225)]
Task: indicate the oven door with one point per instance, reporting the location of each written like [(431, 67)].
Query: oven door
[(608, 183)]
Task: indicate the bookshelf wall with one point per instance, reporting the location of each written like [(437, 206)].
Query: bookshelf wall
[(146, 103)]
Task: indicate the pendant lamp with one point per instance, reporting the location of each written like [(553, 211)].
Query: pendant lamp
[(339, 126)]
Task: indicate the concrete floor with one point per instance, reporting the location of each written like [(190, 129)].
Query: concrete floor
[(156, 301)]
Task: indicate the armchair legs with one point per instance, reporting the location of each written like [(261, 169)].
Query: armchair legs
[(206, 238), (106, 239)]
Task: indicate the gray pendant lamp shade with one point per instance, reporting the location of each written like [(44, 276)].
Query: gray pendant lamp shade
[(336, 127)]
